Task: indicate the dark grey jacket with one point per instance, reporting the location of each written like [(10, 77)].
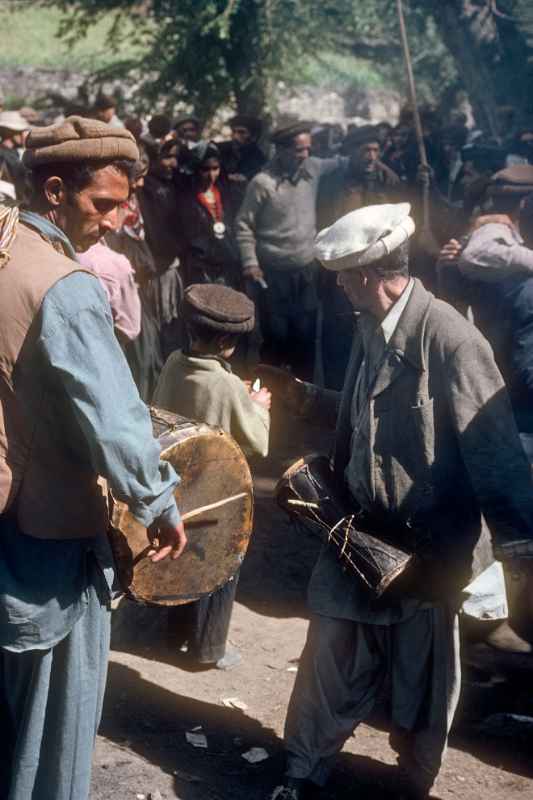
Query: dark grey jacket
[(444, 453)]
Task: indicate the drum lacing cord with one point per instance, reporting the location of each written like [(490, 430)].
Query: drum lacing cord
[(344, 541), (344, 537)]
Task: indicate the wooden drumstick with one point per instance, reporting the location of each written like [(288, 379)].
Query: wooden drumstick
[(303, 503), (202, 509)]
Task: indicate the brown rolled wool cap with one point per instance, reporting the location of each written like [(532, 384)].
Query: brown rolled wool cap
[(78, 139), (218, 307), (517, 179)]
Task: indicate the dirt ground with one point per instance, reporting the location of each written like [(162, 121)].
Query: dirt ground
[(152, 702)]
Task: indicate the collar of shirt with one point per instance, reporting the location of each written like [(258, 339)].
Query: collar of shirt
[(206, 361), (47, 228), (301, 173), (390, 323)]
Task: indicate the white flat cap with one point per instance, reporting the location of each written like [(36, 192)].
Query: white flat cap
[(364, 236)]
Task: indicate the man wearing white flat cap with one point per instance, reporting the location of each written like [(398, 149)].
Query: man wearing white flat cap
[(426, 444)]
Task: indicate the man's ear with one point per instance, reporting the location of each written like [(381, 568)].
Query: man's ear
[(223, 341), (366, 275), (55, 191)]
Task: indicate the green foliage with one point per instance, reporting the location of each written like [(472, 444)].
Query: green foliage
[(207, 53), (210, 53), (339, 72), (30, 39)]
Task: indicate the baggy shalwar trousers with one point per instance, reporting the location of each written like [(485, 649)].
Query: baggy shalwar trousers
[(50, 708), (343, 669)]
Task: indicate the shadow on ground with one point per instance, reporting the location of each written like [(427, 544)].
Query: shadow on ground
[(151, 722)]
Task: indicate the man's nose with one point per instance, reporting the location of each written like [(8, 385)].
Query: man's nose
[(110, 221)]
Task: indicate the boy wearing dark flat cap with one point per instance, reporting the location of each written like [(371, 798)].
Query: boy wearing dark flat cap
[(199, 384)]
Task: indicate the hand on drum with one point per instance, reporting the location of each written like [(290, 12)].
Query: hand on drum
[(171, 542)]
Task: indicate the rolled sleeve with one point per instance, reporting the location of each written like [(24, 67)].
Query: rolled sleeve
[(90, 370), (493, 253)]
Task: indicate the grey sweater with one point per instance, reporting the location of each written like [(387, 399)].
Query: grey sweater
[(276, 224)]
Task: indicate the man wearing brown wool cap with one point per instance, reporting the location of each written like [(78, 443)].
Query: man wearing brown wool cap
[(69, 414)]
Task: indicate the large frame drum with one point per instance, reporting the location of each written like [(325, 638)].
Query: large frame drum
[(212, 468)]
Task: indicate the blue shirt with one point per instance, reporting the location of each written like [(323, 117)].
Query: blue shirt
[(43, 583)]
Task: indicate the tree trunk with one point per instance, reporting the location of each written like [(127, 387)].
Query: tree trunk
[(491, 55)]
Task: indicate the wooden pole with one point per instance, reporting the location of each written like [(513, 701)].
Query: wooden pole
[(416, 116)]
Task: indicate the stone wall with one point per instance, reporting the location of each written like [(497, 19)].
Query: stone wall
[(52, 90)]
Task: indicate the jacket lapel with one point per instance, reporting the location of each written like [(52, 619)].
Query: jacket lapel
[(405, 345)]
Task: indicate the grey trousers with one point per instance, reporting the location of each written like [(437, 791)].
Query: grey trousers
[(342, 672), (50, 708)]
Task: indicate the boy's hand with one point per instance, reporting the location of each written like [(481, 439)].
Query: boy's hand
[(263, 397)]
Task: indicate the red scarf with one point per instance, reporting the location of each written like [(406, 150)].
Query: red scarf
[(215, 210)]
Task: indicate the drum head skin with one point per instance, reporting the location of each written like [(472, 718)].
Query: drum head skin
[(212, 467)]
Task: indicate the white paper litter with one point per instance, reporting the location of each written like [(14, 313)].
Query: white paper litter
[(234, 702), (255, 755), (196, 739)]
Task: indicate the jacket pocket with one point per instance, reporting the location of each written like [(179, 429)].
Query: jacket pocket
[(423, 430), (404, 453)]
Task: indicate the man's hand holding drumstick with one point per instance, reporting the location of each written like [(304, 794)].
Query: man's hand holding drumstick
[(172, 543)]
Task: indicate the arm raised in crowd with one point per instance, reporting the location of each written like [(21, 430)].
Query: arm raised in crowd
[(495, 251)]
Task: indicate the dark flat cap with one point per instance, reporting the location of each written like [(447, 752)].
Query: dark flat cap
[(517, 180), (284, 136), (254, 124), (484, 156), (183, 118), (218, 307), (360, 136)]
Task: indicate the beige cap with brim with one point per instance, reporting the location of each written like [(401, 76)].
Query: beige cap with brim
[(13, 121)]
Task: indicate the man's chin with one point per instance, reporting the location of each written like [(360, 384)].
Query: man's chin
[(87, 243)]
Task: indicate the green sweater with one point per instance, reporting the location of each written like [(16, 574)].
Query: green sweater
[(205, 389)]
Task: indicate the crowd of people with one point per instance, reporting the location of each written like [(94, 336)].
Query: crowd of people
[(305, 249), (243, 212)]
